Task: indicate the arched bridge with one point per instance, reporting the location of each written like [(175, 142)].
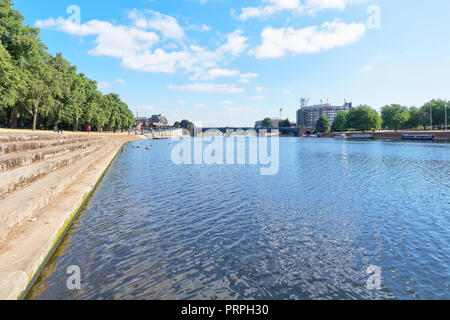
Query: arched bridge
[(295, 131)]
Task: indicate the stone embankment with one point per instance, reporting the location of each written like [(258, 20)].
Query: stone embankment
[(391, 135), (44, 180)]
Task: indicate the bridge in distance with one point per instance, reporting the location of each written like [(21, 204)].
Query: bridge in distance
[(224, 130)]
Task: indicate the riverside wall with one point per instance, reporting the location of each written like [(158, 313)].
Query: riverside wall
[(45, 180)]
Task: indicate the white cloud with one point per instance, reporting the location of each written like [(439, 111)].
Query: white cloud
[(236, 43), (226, 102), (380, 56), (209, 88), (249, 75), (286, 91), (259, 89), (120, 80), (181, 102), (306, 6), (114, 41), (135, 45), (313, 39), (149, 19), (245, 77), (215, 73), (199, 106), (205, 28), (103, 85), (367, 69)]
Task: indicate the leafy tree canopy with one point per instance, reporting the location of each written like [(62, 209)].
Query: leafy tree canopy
[(340, 122), (395, 116), (323, 124), (363, 118), (268, 123), (46, 90)]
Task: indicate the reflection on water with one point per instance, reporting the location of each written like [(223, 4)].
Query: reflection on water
[(155, 230)]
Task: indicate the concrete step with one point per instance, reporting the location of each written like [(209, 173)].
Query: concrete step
[(10, 162), (20, 206), (23, 146), (5, 137), (15, 179)]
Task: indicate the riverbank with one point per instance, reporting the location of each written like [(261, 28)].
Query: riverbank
[(45, 178), (392, 135)]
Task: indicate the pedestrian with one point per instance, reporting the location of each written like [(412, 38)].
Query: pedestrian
[(89, 128)]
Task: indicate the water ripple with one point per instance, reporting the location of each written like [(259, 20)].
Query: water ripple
[(155, 230)]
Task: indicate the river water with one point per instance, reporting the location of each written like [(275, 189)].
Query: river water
[(156, 230)]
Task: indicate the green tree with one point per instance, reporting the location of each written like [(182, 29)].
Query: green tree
[(73, 105), (8, 79), (323, 124), (26, 52), (363, 118), (268, 123), (417, 118), (340, 122), (36, 93), (177, 125), (284, 124), (46, 90), (62, 77), (438, 112), (185, 124), (394, 116)]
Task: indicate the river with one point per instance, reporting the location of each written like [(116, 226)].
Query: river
[(157, 230)]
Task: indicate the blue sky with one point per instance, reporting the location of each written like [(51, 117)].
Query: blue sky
[(228, 62)]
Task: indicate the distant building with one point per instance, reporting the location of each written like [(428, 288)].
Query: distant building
[(259, 124), (308, 116), (158, 121), (141, 122)]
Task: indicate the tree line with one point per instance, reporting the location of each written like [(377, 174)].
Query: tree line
[(42, 91), (184, 124), (392, 117)]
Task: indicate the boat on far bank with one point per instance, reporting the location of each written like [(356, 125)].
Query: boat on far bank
[(310, 136), (341, 136), (418, 137)]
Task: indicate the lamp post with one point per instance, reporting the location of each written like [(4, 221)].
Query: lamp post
[(446, 119), (431, 117)]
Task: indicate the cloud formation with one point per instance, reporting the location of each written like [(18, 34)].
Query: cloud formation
[(277, 42), (142, 46), (306, 7), (209, 88)]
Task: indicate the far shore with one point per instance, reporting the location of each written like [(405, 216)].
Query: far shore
[(440, 135), (29, 131)]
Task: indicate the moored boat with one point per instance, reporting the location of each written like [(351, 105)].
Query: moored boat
[(418, 137), (341, 136)]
